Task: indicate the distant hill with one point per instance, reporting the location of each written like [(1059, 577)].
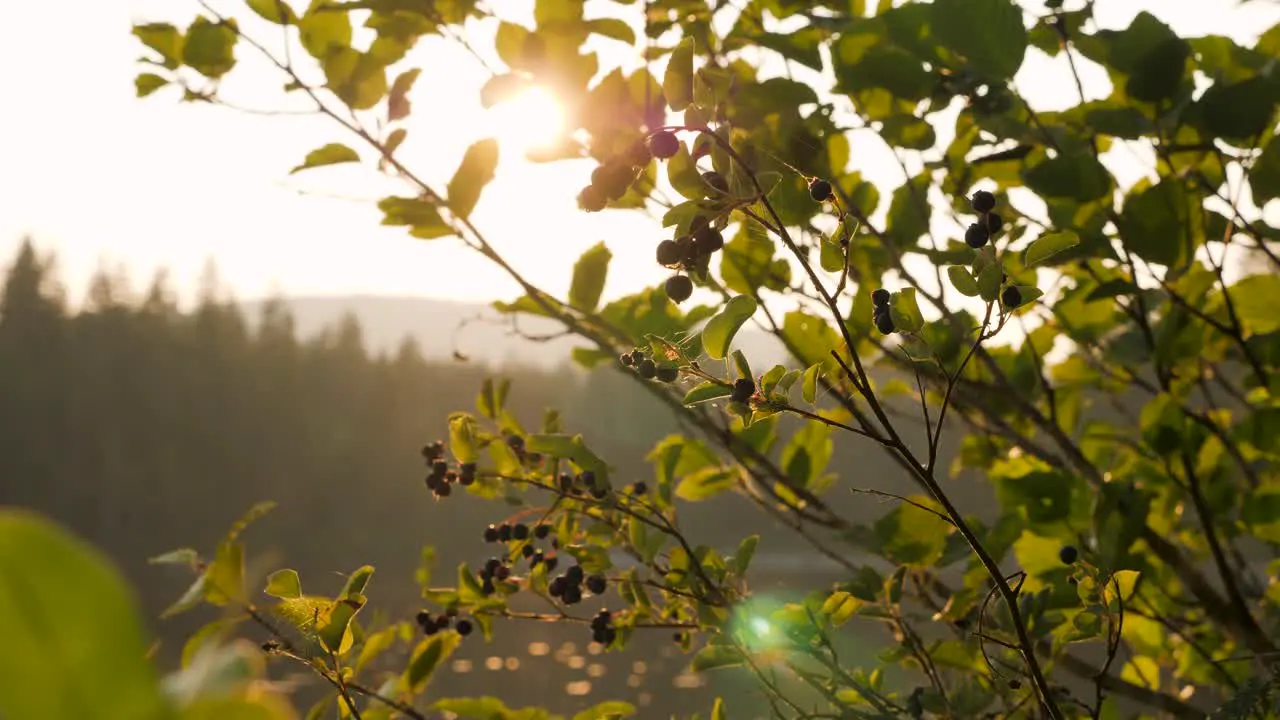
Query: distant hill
[(476, 330)]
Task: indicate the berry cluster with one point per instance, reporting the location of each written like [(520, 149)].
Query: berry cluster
[(647, 368), (584, 483), (441, 478), (881, 316), (610, 179), (602, 630), (516, 443), (989, 223), (743, 389), (433, 624), (568, 587), (692, 252)]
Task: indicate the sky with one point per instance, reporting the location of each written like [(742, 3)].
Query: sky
[(103, 178)]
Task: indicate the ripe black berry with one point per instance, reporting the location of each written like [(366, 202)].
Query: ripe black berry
[(679, 288), (515, 442), (592, 199), (536, 559), (491, 566), (976, 236), (439, 468), (487, 587), (994, 223), (820, 190), (880, 297), (1068, 554), (574, 575), (502, 573), (639, 154), (443, 622), (626, 359), (664, 144), (527, 551), (708, 240), (504, 532), (983, 202), (599, 493), (597, 584), (668, 374), (647, 369), (443, 490), (572, 595), (423, 617), (1011, 297), (697, 223), (556, 587), (716, 181), (1015, 684), (743, 389), (884, 323), (668, 253), (613, 180), (520, 531), (463, 627), (587, 478), (541, 531), (491, 534), (639, 488)]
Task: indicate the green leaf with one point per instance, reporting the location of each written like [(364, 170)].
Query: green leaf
[(331, 154), (809, 383), (682, 173), (746, 551), (1255, 300), (276, 11), (840, 607), (427, 656), (907, 131), (589, 274), (677, 83), (905, 311), (609, 710), (716, 656), (336, 632), (501, 88), (147, 83), (462, 438), (989, 279), (477, 169), (420, 216), (322, 32), (163, 38), (989, 33), (74, 642), (614, 28), (1075, 176), (358, 581), (1048, 245), (284, 584), (963, 281), (209, 48), (181, 556), (720, 330), (1264, 176), (705, 484), (1153, 223), (706, 391)]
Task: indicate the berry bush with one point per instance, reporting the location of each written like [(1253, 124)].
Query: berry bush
[(1019, 283)]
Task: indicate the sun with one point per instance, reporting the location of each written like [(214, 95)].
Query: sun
[(531, 120)]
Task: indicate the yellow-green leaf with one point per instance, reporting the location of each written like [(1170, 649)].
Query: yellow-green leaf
[(427, 657), (331, 154), (963, 281), (284, 584), (1048, 245), (163, 38), (276, 11), (677, 83), (589, 274), (478, 167), (720, 330)]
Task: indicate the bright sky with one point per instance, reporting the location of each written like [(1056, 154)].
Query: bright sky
[(91, 171)]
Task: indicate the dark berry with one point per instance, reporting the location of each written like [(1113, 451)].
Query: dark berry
[(820, 190), (502, 573), (566, 482), (678, 637), (880, 297), (601, 620), (599, 493), (716, 181), (639, 154), (443, 490), (536, 559), (697, 223), (452, 612), (597, 584), (639, 488), (487, 587), (708, 240), (491, 565), (1015, 684), (1068, 554), (433, 482), (668, 253), (647, 369), (664, 144), (467, 479), (520, 531), (592, 199), (572, 595), (423, 617), (515, 442), (884, 323), (556, 587), (504, 532), (994, 223), (491, 534), (439, 468), (668, 374), (976, 236), (463, 627), (743, 389), (429, 628), (574, 575), (528, 551), (983, 202), (587, 478), (443, 622), (1011, 297), (541, 531), (637, 355), (679, 288), (626, 359), (614, 180)]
